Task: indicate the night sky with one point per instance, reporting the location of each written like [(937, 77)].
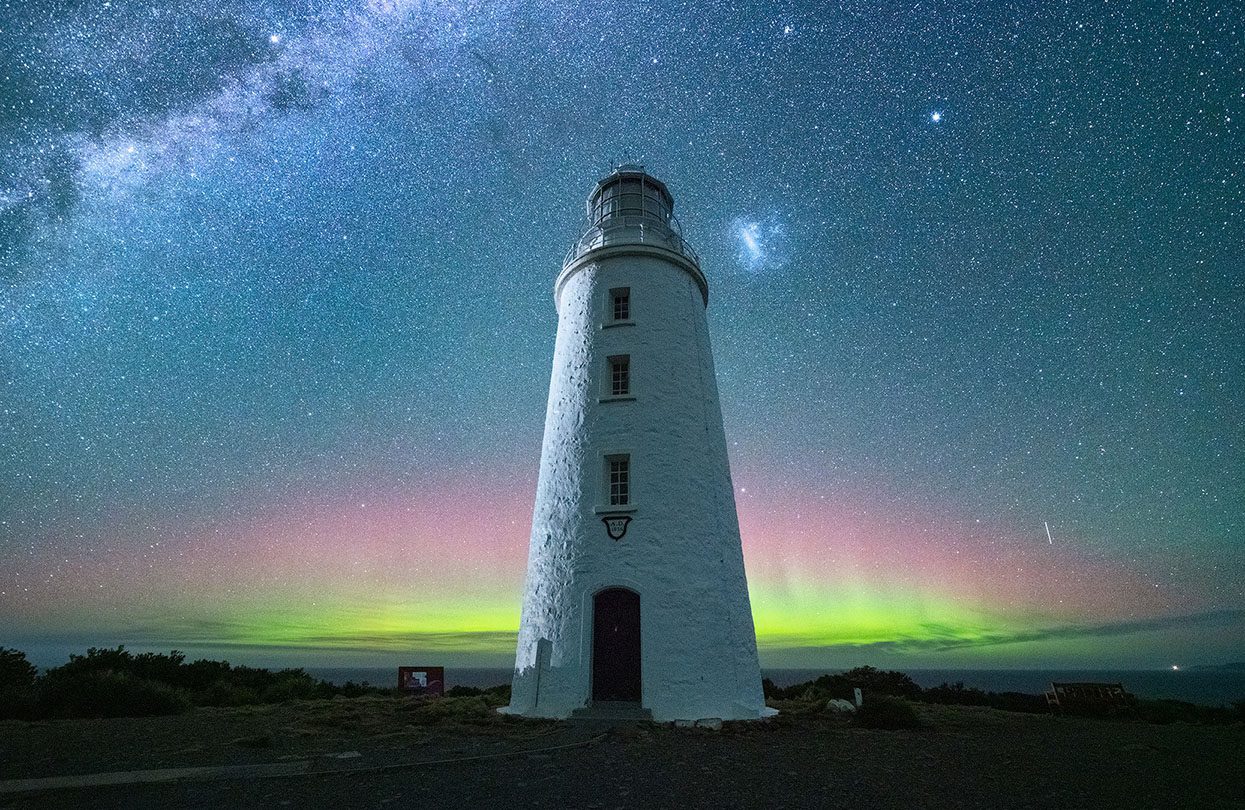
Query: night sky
[(276, 317)]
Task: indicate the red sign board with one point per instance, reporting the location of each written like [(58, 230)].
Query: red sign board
[(422, 680)]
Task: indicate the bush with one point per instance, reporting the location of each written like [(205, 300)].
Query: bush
[(869, 680), (350, 689), (463, 691), (224, 693), (955, 694), (107, 694), (879, 682), (886, 713), (959, 695), (16, 673), (148, 666), (475, 709), (202, 675), (18, 699), (114, 682), (295, 684)]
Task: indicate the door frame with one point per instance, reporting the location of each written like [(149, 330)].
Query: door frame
[(592, 636)]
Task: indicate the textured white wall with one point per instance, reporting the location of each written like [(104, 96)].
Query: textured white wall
[(681, 552)]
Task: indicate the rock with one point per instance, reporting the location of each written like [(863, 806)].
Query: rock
[(837, 705), (714, 723)]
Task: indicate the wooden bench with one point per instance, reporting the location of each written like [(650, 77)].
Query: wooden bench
[(1098, 698)]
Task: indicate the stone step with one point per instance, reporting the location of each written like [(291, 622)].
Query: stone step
[(612, 710)]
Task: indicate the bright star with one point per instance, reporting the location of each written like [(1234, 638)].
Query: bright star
[(274, 38), (936, 116)]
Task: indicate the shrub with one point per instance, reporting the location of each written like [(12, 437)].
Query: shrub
[(351, 689), (19, 704), (18, 700), (463, 691), (475, 709), (959, 695), (842, 685), (202, 675), (880, 682), (114, 682), (295, 684), (107, 694), (224, 693), (887, 713), (16, 673), (955, 694)]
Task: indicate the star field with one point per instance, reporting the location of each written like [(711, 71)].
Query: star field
[(276, 316)]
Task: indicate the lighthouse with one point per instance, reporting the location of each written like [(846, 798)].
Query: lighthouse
[(636, 599)]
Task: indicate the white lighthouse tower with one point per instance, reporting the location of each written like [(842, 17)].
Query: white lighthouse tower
[(636, 591)]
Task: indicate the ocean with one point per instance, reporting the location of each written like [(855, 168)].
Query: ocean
[(1209, 688)]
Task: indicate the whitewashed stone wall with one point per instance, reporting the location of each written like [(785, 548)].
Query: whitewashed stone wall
[(681, 552)]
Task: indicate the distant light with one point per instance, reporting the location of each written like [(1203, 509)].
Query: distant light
[(1175, 667), (935, 116), (274, 38)]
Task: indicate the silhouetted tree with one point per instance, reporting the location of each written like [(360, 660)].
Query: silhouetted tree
[(16, 673)]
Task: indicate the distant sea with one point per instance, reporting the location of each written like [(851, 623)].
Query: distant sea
[(1205, 687)]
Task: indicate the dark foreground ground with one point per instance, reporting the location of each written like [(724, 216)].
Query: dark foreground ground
[(370, 752)]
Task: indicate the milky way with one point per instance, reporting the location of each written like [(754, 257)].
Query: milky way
[(276, 317)]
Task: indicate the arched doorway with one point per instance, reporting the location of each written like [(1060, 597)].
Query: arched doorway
[(616, 645)]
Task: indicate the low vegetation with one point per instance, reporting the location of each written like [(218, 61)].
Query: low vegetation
[(883, 711), (114, 682), (118, 683), (896, 693), (843, 685)]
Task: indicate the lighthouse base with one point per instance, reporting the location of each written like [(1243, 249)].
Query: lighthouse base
[(626, 713), (613, 711)]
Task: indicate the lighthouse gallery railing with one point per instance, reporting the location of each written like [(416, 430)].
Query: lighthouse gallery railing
[(630, 231)]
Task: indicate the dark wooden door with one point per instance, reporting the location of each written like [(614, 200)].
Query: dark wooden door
[(616, 645)]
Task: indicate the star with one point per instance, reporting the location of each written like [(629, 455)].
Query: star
[(936, 116)]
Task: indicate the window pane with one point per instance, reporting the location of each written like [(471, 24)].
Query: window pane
[(620, 375), (621, 303), (619, 480)]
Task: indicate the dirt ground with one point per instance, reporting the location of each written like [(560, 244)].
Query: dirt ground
[(371, 752)]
